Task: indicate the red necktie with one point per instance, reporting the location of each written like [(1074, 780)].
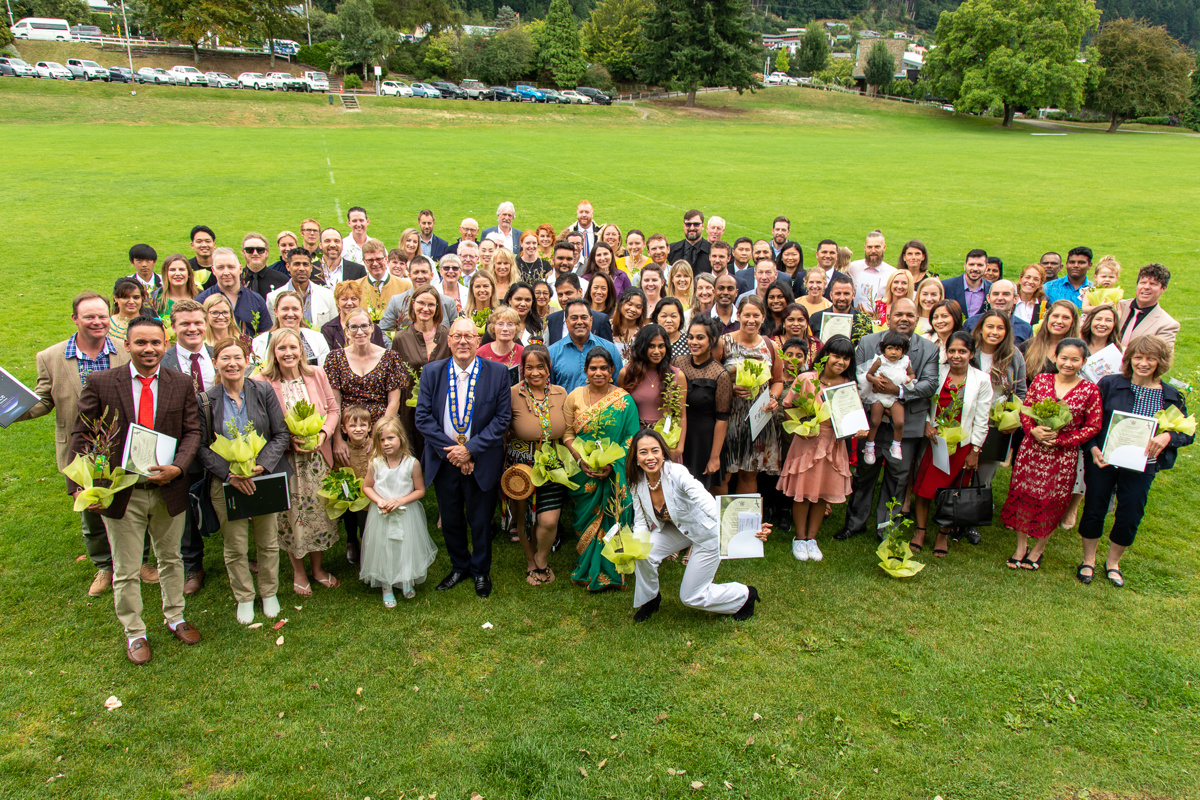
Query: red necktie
[(197, 375), (146, 402)]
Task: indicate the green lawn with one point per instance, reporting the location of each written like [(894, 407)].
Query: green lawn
[(968, 681)]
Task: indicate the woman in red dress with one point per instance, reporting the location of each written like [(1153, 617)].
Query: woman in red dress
[(1044, 472)]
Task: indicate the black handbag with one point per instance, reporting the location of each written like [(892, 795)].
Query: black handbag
[(198, 493), (964, 506)]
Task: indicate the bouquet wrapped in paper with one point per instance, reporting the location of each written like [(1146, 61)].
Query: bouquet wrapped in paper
[(202, 276), (1048, 413), (375, 313), (415, 378), (895, 553), (1099, 296), (305, 423), (1005, 415), (752, 374), (342, 492), (804, 418), (625, 547), (599, 454), (1172, 419), (672, 410), (480, 318), (948, 424), (239, 449), (554, 463), (92, 470)]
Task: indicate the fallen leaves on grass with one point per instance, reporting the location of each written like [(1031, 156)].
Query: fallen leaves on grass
[(255, 625), (280, 624), (279, 641), (697, 785), (112, 703)]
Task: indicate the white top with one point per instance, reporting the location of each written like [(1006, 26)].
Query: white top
[(351, 251), (207, 372), (870, 282), (315, 341), (320, 307), (392, 484), (1024, 310), (137, 390), (447, 427)]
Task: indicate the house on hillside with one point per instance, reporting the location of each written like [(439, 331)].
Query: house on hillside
[(908, 65)]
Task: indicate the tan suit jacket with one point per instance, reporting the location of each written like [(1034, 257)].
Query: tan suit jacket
[(1157, 323), (378, 300), (59, 387)]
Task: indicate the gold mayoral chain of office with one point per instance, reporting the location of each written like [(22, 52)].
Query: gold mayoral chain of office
[(461, 427)]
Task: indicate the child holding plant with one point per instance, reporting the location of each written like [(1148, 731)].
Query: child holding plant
[(1062, 411), (356, 429)]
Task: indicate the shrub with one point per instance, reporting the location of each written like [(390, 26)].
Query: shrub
[(352, 81), (1155, 121), (317, 55), (598, 77)]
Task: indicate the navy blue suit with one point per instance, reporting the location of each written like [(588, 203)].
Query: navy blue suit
[(437, 248), (955, 289), (600, 326), (466, 501)]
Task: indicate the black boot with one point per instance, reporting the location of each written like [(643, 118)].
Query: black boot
[(747, 610), (645, 612)]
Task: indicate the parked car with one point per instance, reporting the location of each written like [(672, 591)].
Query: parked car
[(46, 29), (575, 97), (52, 69), (287, 82), (84, 70), (395, 89), (449, 90), (476, 90), (781, 79), (120, 75), (17, 67), (555, 96), (505, 94), (219, 80), (425, 90), (188, 76), (527, 92), (597, 96), (253, 80), (156, 76), (317, 81), (86, 31)]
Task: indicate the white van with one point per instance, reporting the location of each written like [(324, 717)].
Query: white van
[(51, 30)]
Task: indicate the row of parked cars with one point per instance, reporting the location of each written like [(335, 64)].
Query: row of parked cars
[(81, 69), (471, 89)]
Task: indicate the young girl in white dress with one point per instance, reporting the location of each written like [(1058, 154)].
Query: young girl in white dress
[(396, 550)]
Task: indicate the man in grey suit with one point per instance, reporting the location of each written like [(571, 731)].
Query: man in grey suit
[(924, 356), (395, 316)]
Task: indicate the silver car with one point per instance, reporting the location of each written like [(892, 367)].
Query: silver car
[(220, 80), (52, 69)]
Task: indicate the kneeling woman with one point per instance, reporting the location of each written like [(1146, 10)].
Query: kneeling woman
[(678, 512)]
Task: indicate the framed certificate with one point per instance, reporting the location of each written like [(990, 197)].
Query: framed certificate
[(846, 412), (834, 324), (741, 520), (15, 398), (1125, 443), (146, 448)]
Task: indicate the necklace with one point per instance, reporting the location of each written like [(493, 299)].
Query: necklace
[(654, 486), (542, 409)]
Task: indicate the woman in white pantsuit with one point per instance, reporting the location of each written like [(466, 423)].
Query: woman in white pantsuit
[(679, 512)]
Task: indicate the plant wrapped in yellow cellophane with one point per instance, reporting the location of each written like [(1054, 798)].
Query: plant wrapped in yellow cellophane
[(239, 449), (672, 411), (805, 416), (342, 492), (305, 423), (1006, 415), (87, 471), (948, 424), (1100, 296), (625, 547), (1172, 419), (752, 373), (599, 454), (554, 463)]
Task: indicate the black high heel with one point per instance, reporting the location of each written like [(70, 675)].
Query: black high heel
[(747, 610)]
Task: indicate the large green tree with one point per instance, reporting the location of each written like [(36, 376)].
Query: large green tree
[(559, 50), (408, 15), (814, 50), (1191, 116), (194, 21), (1012, 53), (272, 19), (881, 67), (694, 43), (1145, 72), (364, 39), (75, 12), (506, 56), (613, 36)]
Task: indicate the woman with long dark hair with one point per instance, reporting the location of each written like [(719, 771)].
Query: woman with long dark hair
[(646, 376), (779, 297), (710, 393), (630, 316), (520, 298), (669, 315)]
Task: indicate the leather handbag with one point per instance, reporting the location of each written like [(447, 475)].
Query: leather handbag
[(962, 506)]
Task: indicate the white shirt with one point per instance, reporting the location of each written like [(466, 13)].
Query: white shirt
[(137, 391), (447, 427), (334, 276), (1024, 310), (870, 282), (351, 251), (207, 372)]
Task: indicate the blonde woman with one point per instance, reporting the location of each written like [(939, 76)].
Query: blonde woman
[(610, 234), (813, 300), (504, 266), (929, 295), (218, 319), (410, 243), (680, 283), (845, 256), (289, 314), (481, 292), (1031, 297), (899, 286)]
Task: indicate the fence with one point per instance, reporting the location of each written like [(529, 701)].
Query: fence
[(151, 46), (632, 97)]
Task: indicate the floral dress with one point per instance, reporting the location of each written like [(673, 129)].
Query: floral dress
[(1043, 476), (305, 527), (371, 390), (748, 454)]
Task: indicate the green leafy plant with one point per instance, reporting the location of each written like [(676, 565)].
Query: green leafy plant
[(342, 492), (553, 463), (947, 421), (92, 469), (599, 454), (672, 411), (895, 555), (1048, 413)]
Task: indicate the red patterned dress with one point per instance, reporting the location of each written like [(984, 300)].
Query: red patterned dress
[(1042, 477)]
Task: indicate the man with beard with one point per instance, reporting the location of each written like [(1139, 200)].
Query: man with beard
[(781, 227), (692, 248), (585, 224), (256, 275), (718, 256), (871, 273), (970, 289), (431, 246), (827, 256), (841, 294), (657, 249)]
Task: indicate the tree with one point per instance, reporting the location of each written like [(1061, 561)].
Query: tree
[(363, 38), (559, 50), (271, 18), (1145, 72), (75, 12), (438, 57), (814, 50), (613, 36), (408, 15), (881, 67), (506, 17), (506, 56), (1191, 117), (1012, 53), (781, 61), (838, 71), (194, 21), (691, 43)]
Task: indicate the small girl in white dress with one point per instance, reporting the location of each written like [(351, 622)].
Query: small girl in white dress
[(396, 548), (895, 366)]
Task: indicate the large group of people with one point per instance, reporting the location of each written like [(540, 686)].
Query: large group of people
[(452, 366)]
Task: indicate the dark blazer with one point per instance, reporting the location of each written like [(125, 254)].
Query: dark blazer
[(263, 410), (171, 360), (829, 282), (454, 247), (1021, 329), (265, 281), (699, 259), (351, 271), (489, 420), (926, 358), (745, 279), (1116, 394), (110, 394), (601, 326), (437, 247), (955, 289)]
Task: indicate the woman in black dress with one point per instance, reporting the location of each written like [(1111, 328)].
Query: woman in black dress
[(710, 391)]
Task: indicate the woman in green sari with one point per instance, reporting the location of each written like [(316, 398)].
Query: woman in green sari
[(598, 410)]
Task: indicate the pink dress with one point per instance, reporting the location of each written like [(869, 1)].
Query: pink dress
[(817, 468), (648, 397)]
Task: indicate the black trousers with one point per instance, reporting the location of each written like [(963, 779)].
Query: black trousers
[(1131, 488), (895, 479), (356, 525), (466, 520)]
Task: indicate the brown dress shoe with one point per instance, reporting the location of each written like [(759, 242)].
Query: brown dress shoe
[(101, 583), (187, 634), (138, 651), (193, 582), (149, 573)]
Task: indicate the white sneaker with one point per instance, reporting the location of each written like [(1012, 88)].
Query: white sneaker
[(869, 453), (245, 613), (814, 552), (896, 451), (800, 549)]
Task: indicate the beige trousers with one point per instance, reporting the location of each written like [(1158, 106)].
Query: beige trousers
[(146, 512), (237, 545)]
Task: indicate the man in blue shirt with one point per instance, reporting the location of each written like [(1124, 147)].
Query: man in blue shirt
[(1072, 285), (569, 355), (249, 307)]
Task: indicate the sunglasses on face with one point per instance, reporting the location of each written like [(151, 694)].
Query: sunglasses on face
[(254, 251)]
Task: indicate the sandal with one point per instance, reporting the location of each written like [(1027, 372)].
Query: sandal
[(545, 575), (1118, 581), (939, 552), (1029, 563), (330, 582), (683, 559), (1013, 562), (1085, 579), (389, 600), (530, 579), (916, 548), (303, 591)]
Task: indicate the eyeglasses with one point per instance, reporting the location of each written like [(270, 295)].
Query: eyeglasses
[(461, 337), (375, 260), (219, 314), (310, 230), (358, 328), (450, 268), (256, 251)]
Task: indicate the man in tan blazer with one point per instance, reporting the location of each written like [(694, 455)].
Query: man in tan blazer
[(62, 373), (379, 285), (1143, 316)]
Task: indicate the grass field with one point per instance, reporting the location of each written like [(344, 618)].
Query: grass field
[(969, 681)]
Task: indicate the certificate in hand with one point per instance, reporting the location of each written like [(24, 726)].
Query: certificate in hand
[(846, 412), (146, 448), (759, 416), (741, 520), (15, 398), (1128, 435), (834, 324), (1106, 361)]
